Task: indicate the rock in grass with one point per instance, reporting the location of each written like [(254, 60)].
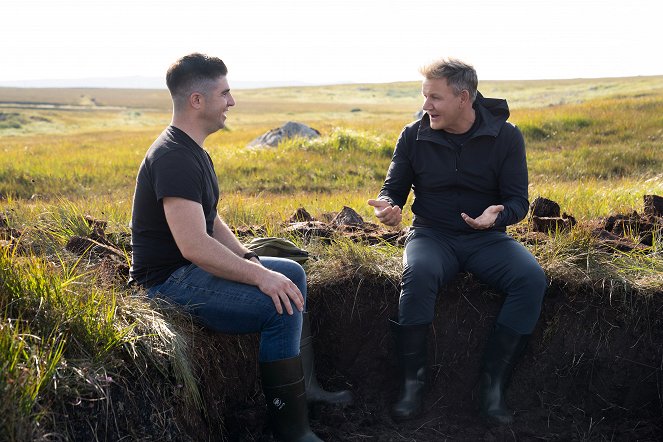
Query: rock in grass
[(289, 130), (347, 217)]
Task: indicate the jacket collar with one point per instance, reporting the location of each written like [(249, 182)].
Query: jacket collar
[(494, 113)]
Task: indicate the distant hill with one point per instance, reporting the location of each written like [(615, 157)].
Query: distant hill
[(283, 99), (134, 82), (101, 82)]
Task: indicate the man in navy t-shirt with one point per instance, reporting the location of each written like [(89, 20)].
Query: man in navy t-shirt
[(184, 252)]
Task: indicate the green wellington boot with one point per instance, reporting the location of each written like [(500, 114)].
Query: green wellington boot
[(287, 410)]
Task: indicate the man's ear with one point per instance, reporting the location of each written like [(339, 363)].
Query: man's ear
[(464, 96), (196, 100)]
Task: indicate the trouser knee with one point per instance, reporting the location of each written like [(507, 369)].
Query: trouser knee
[(419, 286), (522, 306), (535, 281), (533, 287), (293, 270)]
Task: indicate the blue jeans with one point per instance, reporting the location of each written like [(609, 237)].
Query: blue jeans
[(235, 308), (433, 257)]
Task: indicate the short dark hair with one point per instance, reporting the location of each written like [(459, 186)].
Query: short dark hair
[(193, 72), (459, 75)]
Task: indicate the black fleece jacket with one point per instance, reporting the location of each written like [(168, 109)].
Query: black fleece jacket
[(489, 168)]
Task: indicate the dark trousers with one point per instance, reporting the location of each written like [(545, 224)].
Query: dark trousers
[(433, 257)]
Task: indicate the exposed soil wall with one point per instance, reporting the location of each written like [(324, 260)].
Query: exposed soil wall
[(592, 371)]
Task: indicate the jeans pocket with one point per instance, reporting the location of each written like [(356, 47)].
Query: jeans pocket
[(174, 278)]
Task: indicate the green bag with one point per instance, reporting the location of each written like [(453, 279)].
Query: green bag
[(279, 247)]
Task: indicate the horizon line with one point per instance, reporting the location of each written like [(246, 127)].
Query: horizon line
[(150, 82)]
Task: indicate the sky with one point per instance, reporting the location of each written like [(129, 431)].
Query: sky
[(340, 41)]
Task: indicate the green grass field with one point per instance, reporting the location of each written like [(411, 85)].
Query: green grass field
[(594, 146)]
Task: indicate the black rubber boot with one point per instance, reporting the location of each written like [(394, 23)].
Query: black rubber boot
[(412, 352), (287, 410), (503, 350), (314, 392)]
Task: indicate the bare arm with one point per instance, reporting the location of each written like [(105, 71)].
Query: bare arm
[(186, 221), (225, 236)]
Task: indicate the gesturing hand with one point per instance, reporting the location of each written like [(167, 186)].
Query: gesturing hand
[(486, 220), (282, 290), (386, 213)]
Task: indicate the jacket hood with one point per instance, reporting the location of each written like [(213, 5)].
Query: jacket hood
[(497, 107), (494, 113)]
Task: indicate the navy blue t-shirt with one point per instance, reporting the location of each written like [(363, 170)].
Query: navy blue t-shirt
[(174, 166)]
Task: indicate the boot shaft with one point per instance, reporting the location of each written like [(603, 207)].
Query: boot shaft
[(314, 392), (411, 351), (411, 343), (281, 372), (503, 350), (285, 397)]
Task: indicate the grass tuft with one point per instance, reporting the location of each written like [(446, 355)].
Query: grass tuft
[(66, 339)]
